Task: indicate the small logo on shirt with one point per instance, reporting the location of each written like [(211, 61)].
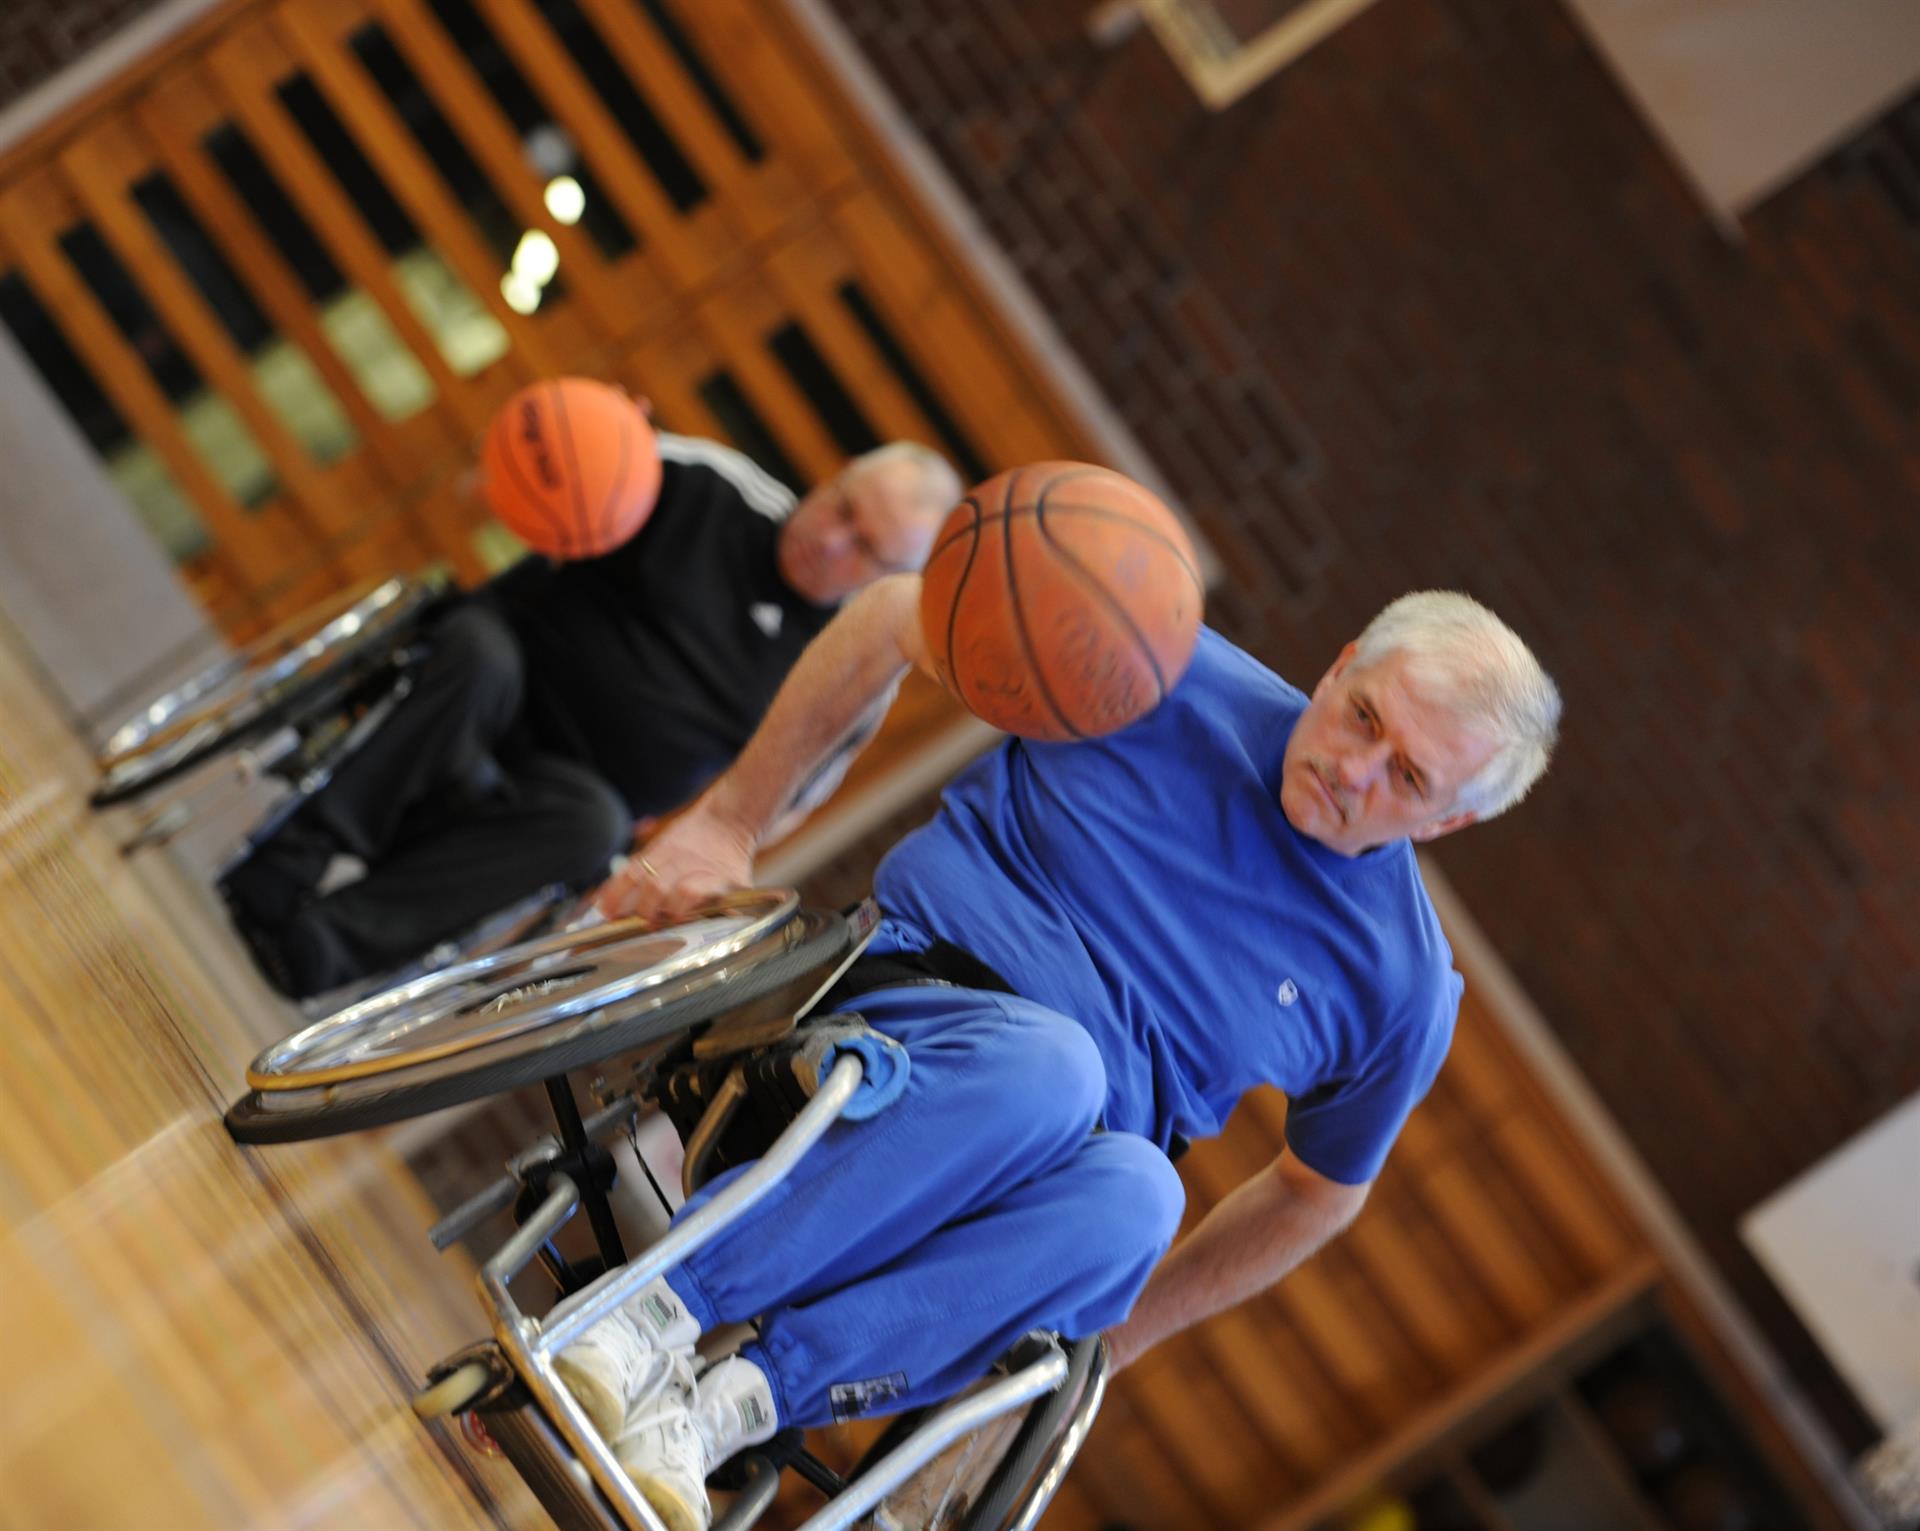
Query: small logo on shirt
[(1288, 991), (767, 617)]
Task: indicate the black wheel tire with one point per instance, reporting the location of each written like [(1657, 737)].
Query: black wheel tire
[(1043, 1422), (250, 1121)]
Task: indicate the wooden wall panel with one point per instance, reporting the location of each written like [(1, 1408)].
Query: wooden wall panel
[(616, 305), (794, 211), (316, 35), (33, 211)]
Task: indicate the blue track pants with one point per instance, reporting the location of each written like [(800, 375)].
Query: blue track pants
[(905, 1253)]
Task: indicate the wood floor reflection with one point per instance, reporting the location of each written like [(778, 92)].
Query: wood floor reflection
[(198, 1335)]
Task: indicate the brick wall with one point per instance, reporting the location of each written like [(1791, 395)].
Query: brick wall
[(38, 38), (1431, 309)]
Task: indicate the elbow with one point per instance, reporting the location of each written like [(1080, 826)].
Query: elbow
[(1336, 1203), (1336, 1206), (891, 605)]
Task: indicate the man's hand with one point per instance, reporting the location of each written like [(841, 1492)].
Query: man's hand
[(700, 854), (856, 660)]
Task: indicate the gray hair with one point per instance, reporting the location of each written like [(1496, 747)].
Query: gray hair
[(939, 486), (1471, 663)]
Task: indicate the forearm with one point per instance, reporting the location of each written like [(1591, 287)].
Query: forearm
[(1265, 1228), (842, 673)]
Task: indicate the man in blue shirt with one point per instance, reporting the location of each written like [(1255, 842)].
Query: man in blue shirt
[(1222, 895)]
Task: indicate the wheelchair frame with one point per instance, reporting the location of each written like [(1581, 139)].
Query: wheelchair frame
[(724, 991), (550, 1441)]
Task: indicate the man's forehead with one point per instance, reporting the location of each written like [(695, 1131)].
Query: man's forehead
[(892, 484), (1395, 676), (890, 501), (1415, 707)]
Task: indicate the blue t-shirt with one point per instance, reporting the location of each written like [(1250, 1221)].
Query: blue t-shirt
[(1149, 886)]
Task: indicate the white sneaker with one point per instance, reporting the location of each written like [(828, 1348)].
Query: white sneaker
[(626, 1353), (673, 1439)]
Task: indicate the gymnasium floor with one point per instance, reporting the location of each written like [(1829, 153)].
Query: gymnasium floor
[(196, 1336)]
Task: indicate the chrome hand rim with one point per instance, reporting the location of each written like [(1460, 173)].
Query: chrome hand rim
[(237, 688), (520, 995)]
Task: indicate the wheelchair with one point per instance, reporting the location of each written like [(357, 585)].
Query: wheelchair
[(292, 706), (718, 1023)]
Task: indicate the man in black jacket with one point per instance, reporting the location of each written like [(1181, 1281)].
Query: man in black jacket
[(563, 703)]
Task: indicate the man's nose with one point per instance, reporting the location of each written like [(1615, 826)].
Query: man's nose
[(1357, 767)]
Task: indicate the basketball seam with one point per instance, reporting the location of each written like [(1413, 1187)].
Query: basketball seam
[(535, 495), (934, 553), (1092, 581), (573, 462), (980, 518), (627, 433), (1104, 513), (960, 585), (1019, 614)]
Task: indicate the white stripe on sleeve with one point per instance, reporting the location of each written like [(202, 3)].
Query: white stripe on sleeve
[(757, 487)]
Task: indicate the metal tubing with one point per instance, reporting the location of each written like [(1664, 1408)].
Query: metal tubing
[(519, 1338), (1060, 1455), (706, 1134), (512, 1257), (935, 1436), (578, 1313), (499, 1196), (531, 1346), (571, 1423), (756, 1494), (536, 1450), (476, 1209), (613, 1115)]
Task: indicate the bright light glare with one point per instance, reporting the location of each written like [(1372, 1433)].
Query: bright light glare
[(565, 199), (536, 257), (522, 295)]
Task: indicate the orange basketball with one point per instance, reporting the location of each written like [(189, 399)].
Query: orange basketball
[(1060, 601), (571, 467)]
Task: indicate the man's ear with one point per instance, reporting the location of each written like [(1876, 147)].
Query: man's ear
[(1444, 826), (1340, 662)]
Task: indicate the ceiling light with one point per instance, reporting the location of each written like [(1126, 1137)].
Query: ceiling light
[(522, 295), (565, 199)]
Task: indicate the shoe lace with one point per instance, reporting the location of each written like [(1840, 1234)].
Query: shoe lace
[(662, 1404), (639, 1361), (665, 1385)]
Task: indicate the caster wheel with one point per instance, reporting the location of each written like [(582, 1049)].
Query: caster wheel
[(453, 1392)]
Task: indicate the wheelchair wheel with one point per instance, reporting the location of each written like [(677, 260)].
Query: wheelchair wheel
[(987, 1480), (529, 1013), (1037, 1438), (246, 694)]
